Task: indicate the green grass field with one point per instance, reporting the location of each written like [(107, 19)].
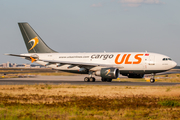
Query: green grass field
[(79, 102)]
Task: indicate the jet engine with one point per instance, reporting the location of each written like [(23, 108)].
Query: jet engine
[(110, 73)]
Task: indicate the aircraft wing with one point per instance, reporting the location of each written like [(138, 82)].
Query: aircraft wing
[(79, 63)]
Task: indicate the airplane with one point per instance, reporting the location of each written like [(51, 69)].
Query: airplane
[(106, 65)]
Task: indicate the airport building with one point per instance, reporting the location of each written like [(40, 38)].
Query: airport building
[(14, 65)]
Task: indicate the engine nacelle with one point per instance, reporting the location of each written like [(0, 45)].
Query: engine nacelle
[(135, 75), (111, 73)]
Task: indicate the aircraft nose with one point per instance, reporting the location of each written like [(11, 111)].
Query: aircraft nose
[(174, 64)]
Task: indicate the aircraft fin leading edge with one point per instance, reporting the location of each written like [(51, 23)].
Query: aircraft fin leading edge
[(33, 41)]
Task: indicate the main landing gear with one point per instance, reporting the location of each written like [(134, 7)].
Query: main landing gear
[(90, 78), (152, 80)]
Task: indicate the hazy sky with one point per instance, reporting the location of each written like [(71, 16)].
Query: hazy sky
[(93, 26)]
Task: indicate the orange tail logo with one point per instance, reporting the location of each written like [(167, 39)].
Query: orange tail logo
[(35, 42)]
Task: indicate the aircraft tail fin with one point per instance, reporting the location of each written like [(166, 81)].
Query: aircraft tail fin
[(34, 43)]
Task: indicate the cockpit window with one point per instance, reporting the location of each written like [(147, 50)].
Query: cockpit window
[(165, 59)]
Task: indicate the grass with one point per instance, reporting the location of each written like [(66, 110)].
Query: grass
[(69, 102), (21, 72), (170, 103)]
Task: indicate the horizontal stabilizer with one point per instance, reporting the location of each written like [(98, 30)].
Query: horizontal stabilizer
[(17, 55), (32, 58)]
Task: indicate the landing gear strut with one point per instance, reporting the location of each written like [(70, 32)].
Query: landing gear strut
[(152, 80), (90, 78)]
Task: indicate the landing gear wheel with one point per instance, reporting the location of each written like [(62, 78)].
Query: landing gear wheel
[(86, 79), (92, 79), (152, 80)]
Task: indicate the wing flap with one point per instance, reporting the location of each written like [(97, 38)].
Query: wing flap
[(80, 63)]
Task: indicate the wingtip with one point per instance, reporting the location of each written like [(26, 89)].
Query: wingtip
[(6, 54)]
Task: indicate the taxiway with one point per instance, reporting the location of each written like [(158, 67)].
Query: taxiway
[(75, 80)]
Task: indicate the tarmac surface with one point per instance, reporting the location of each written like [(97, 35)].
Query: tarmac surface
[(75, 80)]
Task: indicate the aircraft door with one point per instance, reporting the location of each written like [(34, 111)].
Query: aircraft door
[(152, 60), (149, 62)]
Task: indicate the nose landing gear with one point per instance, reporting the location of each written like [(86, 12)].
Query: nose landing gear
[(152, 80)]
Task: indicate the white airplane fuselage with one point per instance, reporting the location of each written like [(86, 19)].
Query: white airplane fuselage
[(134, 62)]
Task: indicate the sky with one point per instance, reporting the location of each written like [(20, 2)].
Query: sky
[(92, 26)]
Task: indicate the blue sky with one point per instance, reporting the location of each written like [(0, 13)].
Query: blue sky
[(93, 26)]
